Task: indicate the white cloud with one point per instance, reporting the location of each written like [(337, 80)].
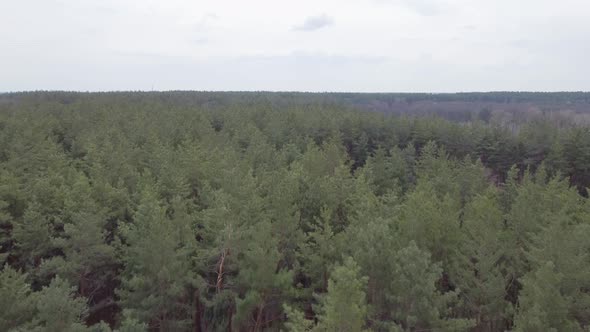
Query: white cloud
[(313, 23), (424, 7)]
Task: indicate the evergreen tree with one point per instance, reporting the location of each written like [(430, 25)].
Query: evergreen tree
[(32, 235), (542, 306), (58, 309), (16, 303), (158, 274), (414, 300), (480, 271), (261, 279), (432, 222)]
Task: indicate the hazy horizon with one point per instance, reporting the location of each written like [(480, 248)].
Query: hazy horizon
[(300, 91)]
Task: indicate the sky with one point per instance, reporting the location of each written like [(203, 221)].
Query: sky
[(304, 45)]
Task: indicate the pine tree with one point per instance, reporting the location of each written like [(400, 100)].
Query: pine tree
[(388, 172), (58, 309), (436, 168), (432, 222), (158, 271), (88, 261), (261, 279), (33, 235), (54, 308), (296, 321), (480, 270), (542, 306), (132, 325), (413, 297), (344, 306), (16, 303), (319, 251)]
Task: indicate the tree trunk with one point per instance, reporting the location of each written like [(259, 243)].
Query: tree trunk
[(219, 283), (198, 312), (258, 318), (229, 322)]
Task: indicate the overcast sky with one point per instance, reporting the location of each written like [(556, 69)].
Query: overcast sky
[(305, 45)]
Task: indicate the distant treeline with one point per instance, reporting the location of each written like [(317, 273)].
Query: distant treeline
[(504, 107), (347, 97)]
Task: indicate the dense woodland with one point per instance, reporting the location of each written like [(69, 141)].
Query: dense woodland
[(194, 211)]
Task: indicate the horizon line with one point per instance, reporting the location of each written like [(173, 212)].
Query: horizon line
[(294, 91)]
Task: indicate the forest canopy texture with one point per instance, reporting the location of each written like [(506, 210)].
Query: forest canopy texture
[(188, 211)]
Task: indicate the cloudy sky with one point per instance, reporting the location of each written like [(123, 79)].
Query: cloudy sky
[(305, 45)]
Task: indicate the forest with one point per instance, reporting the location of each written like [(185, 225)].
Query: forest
[(204, 211)]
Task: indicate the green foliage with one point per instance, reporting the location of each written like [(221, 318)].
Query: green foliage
[(32, 236), (319, 252), (132, 325), (388, 172), (58, 309), (414, 299), (296, 321), (16, 303), (481, 270), (210, 211), (54, 308), (158, 265), (542, 306), (432, 222), (344, 306), (261, 277)]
